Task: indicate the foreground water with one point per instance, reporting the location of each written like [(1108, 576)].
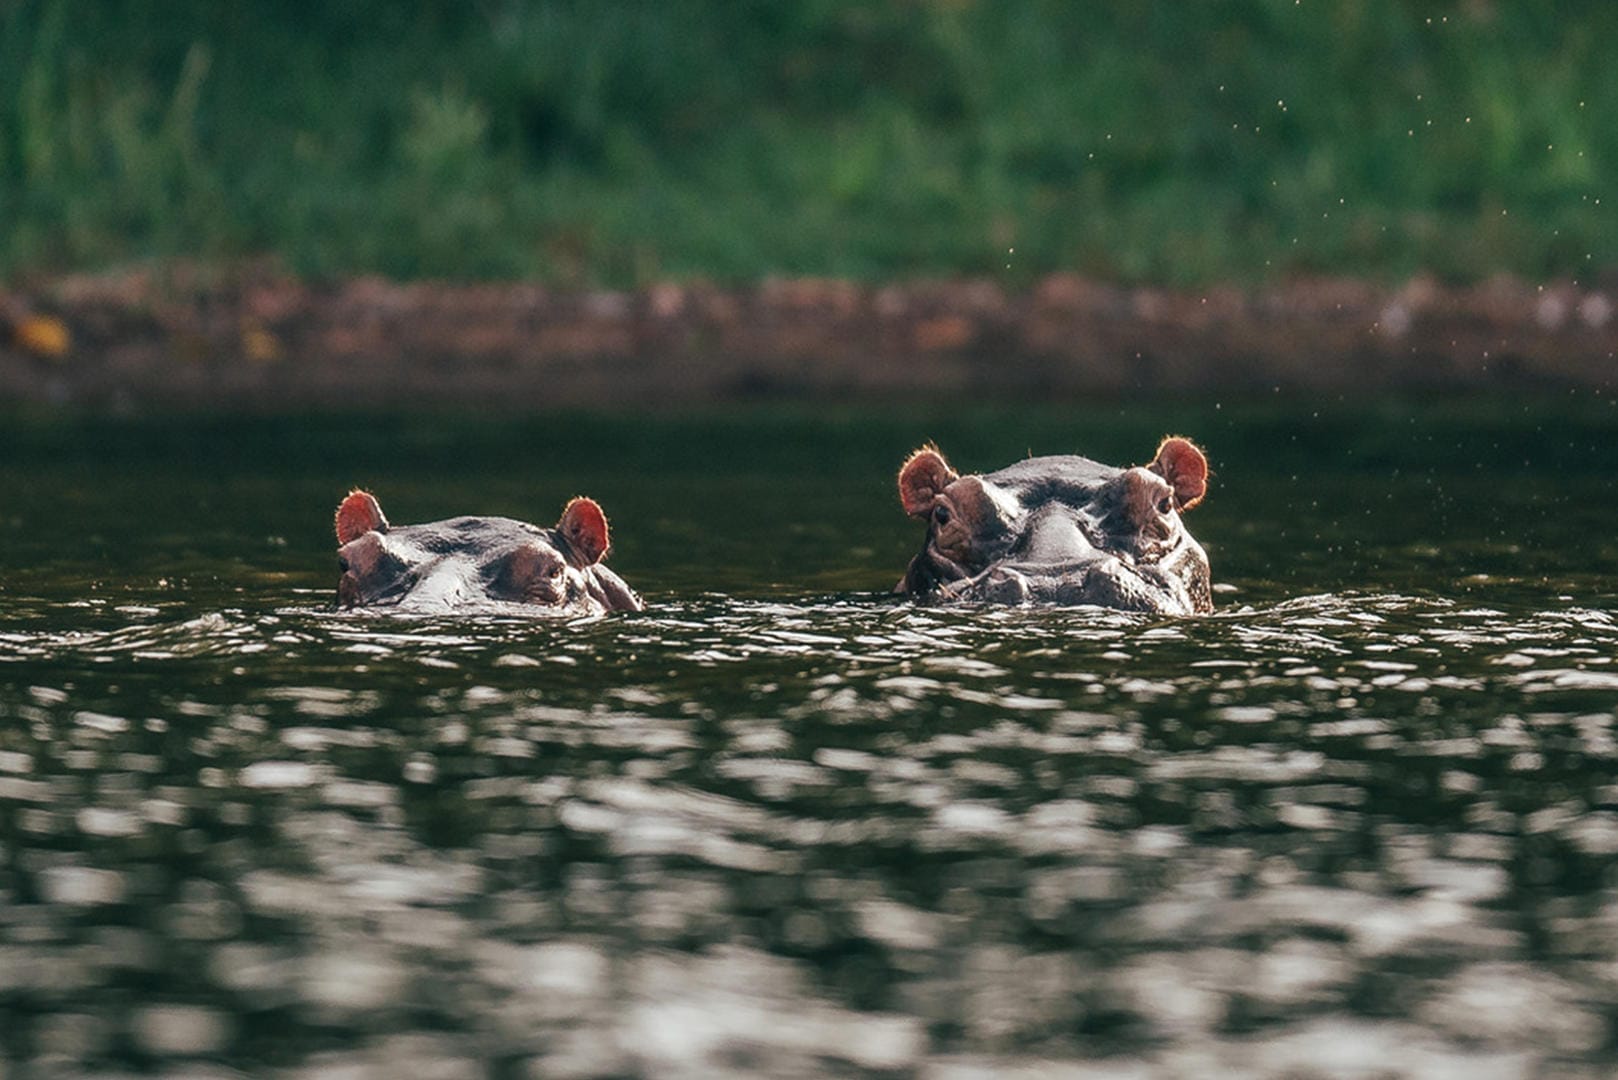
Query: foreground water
[(1363, 821)]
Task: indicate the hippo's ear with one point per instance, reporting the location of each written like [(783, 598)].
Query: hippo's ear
[(584, 527), (924, 474), (359, 514), (1185, 468)]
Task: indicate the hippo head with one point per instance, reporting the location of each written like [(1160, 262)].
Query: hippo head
[(1061, 530), (472, 561)]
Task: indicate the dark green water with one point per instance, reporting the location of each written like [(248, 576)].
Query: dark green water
[(1363, 821)]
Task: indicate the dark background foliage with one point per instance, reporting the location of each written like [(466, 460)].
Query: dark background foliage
[(618, 142)]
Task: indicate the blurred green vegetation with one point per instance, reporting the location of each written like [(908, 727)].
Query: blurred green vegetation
[(620, 141)]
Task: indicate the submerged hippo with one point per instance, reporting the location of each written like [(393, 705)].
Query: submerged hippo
[(467, 561), (1064, 530)]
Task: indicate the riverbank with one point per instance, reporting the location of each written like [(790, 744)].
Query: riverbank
[(253, 340)]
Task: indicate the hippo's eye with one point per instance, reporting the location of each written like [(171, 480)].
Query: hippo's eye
[(1165, 504), (342, 565), (554, 572), (941, 515)]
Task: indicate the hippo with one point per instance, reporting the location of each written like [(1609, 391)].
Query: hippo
[(1061, 530), (470, 562)]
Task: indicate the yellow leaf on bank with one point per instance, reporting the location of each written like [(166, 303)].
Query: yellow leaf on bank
[(260, 345), (42, 335)]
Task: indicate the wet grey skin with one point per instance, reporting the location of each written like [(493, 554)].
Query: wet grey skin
[(1061, 530), (478, 563)]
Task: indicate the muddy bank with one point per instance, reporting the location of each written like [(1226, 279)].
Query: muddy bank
[(259, 341)]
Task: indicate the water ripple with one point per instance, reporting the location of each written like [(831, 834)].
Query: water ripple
[(1345, 834)]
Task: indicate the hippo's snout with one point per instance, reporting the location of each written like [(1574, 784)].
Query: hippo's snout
[(1003, 585)]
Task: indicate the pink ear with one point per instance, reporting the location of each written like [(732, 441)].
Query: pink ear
[(924, 474), (359, 514), (584, 527), (1185, 468)]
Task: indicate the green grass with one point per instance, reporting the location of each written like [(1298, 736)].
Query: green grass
[(619, 142)]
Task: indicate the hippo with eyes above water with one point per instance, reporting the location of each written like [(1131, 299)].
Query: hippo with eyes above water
[(1061, 530), (471, 562)]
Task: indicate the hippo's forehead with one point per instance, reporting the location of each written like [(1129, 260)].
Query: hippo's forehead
[(1067, 478), (478, 538)]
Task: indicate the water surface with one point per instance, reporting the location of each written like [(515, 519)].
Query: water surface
[(1361, 821)]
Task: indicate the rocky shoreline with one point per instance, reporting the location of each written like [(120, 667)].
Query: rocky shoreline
[(258, 341)]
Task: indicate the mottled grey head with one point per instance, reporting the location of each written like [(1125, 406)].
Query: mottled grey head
[(468, 561), (1061, 529)]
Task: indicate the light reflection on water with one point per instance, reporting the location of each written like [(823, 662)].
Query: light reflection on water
[(1353, 834), (1362, 821)]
